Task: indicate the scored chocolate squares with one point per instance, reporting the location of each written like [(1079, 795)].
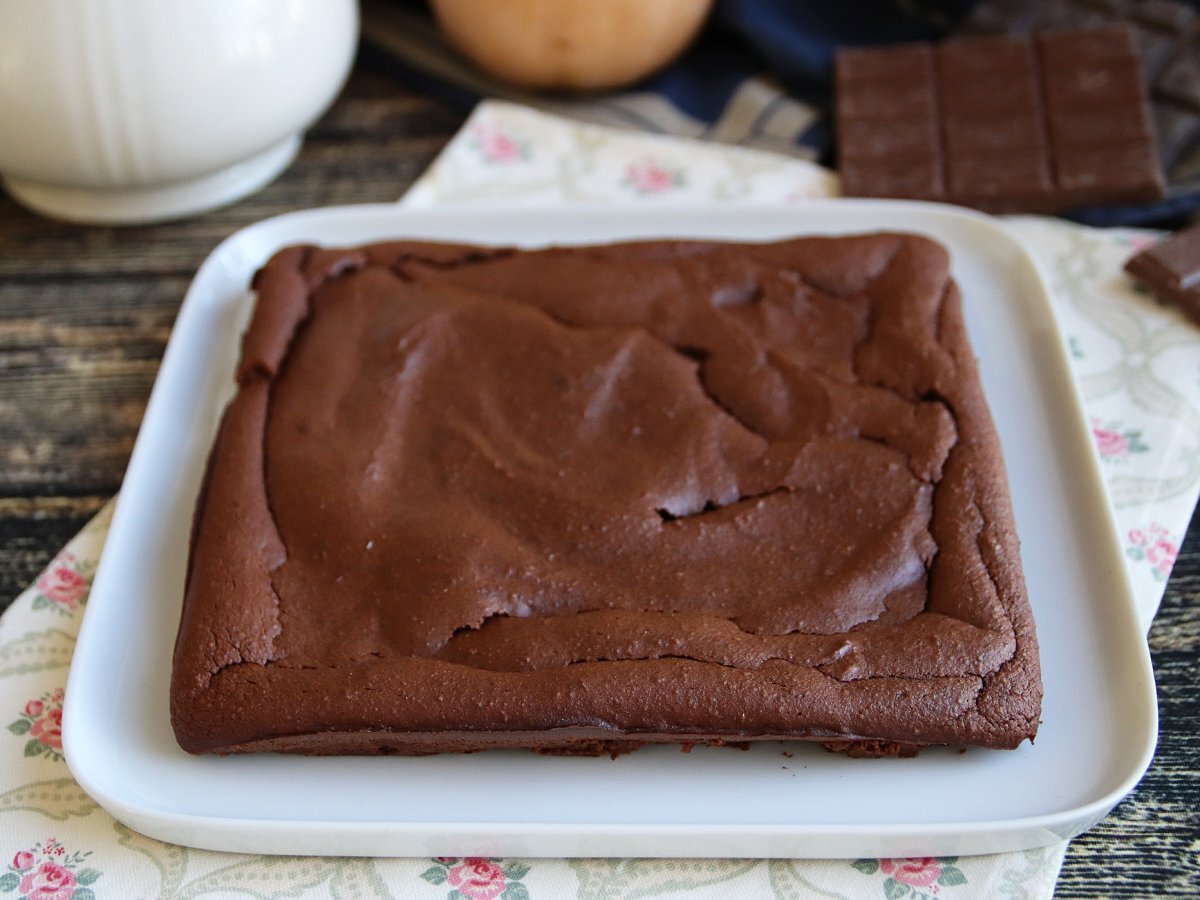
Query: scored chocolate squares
[(1167, 34), (1171, 268), (1040, 123)]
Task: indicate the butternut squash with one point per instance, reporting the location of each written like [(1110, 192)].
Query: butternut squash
[(573, 45)]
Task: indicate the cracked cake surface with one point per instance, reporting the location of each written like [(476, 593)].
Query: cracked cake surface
[(581, 499)]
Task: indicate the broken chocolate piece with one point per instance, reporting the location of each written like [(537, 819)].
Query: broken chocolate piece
[(1171, 268), (1004, 124)]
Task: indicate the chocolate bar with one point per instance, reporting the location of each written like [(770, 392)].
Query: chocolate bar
[(1171, 268), (1041, 123), (1168, 39)]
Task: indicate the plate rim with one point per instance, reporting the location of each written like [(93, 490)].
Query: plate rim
[(276, 230)]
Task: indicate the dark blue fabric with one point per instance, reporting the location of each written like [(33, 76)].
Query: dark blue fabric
[(702, 82), (795, 41)]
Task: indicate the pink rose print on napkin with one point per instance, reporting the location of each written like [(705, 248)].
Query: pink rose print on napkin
[(1115, 444), (479, 879), (46, 871), (1155, 546), (48, 729), (921, 872), (49, 881), (496, 146), (648, 176), (23, 860), (476, 878), (920, 877), (63, 587), (41, 720)]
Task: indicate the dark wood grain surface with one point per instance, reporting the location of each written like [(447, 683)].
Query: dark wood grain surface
[(85, 314)]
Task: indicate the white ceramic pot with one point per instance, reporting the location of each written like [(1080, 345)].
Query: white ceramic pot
[(125, 111)]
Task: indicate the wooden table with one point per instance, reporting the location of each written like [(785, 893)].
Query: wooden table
[(85, 314)]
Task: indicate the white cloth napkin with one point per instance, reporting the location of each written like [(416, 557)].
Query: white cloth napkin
[(1138, 366)]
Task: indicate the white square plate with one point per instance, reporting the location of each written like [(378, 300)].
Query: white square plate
[(1099, 719)]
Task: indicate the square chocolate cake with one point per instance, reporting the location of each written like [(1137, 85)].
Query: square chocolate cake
[(584, 499)]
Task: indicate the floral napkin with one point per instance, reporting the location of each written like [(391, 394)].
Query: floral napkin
[(1138, 369)]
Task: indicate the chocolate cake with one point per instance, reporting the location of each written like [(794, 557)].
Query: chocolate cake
[(584, 499)]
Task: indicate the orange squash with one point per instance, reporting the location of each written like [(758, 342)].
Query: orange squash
[(575, 45)]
